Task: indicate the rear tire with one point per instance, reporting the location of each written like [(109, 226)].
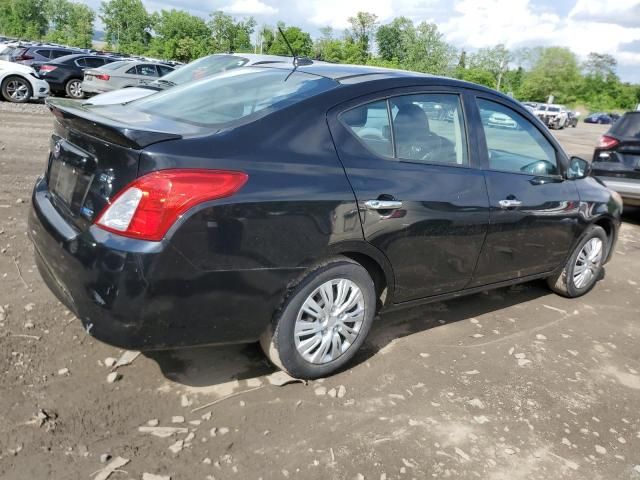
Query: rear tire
[(16, 89), (73, 89), (324, 320), (584, 267)]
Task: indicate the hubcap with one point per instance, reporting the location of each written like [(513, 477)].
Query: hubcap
[(587, 263), (329, 321), (75, 89), (17, 90)]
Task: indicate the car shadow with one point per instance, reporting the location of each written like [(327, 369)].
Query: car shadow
[(631, 215), (218, 365)]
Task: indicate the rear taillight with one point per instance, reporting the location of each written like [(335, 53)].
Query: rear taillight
[(607, 142), (47, 68), (151, 204), (103, 76)]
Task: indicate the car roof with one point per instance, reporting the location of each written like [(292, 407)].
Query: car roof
[(358, 74), (261, 58), (74, 56), (345, 73)]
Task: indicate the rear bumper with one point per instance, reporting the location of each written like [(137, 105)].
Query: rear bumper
[(628, 188), (91, 87), (146, 295)]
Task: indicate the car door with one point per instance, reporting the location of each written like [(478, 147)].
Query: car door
[(534, 210), (421, 194)]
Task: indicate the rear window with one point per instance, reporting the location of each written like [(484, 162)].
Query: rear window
[(628, 126), (234, 95), (115, 65)]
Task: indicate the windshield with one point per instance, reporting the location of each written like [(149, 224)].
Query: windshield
[(203, 67), (234, 95)]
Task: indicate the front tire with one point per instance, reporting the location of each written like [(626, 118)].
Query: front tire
[(73, 89), (16, 89), (584, 267), (324, 320)]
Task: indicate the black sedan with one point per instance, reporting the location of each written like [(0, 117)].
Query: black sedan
[(65, 74), (616, 159), (293, 205)]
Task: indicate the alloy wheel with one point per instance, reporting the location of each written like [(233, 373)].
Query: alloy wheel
[(587, 263), (329, 321), (75, 89), (17, 90)]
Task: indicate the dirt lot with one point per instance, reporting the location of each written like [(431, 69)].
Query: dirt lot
[(511, 384)]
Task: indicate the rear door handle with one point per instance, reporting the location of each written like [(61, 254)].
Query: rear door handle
[(383, 204), (509, 203)]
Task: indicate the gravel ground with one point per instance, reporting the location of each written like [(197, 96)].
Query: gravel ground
[(515, 383)]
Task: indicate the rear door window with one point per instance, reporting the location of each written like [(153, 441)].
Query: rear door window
[(94, 62), (59, 53), (147, 70), (429, 128), (44, 53), (423, 128), (80, 62)]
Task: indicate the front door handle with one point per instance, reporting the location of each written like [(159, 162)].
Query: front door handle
[(509, 203), (383, 204)]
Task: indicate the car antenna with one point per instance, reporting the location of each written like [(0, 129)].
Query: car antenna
[(291, 50)]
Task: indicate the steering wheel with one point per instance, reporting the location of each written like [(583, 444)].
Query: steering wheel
[(540, 167), (427, 149)]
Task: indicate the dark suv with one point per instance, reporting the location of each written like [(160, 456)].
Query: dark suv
[(616, 159), (289, 205), (37, 55), (65, 74)]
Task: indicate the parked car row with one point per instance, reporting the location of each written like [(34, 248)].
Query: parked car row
[(61, 68)]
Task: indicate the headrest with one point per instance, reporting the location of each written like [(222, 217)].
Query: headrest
[(356, 117)]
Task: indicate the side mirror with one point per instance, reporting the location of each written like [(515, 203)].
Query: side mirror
[(578, 168)]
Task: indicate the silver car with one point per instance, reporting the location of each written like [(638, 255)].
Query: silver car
[(123, 74), (196, 70)]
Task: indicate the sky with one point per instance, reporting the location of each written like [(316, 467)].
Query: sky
[(604, 26)]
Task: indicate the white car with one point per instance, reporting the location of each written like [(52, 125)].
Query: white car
[(501, 120), (20, 83)]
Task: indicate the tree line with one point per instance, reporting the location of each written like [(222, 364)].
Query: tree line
[(527, 73)]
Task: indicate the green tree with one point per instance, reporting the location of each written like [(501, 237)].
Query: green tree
[(495, 60), (70, 23), (363, 27), (555, 72), (127, 25), (476, 75), (179, 36), (229, 34), (265, 38), (427, 51), (300, 42), (392, 39), (24, 19)]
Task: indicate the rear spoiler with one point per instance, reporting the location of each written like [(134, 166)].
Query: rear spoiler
[(76, 117)]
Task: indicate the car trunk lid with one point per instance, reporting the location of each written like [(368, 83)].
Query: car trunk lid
[(91, 159)]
